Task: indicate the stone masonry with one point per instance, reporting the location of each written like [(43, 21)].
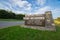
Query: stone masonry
[(40, 21)]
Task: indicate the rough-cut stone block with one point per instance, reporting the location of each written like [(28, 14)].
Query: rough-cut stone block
[(41, 20)]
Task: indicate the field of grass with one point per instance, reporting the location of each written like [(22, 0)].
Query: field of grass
[(57, 22), (10, 20), (20, 33)]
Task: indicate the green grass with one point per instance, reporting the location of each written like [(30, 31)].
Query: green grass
[(19, 33), (10, 20)]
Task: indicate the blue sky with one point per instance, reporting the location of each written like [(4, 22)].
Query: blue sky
[(32, 6)]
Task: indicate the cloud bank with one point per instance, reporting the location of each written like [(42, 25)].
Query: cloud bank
[(31, 7)]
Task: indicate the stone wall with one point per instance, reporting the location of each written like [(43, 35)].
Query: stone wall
[(36, 20), (40, 20), (49, 23)]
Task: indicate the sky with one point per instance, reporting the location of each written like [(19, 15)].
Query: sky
[(32, 6)]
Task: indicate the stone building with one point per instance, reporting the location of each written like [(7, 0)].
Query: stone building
[(41, 20)]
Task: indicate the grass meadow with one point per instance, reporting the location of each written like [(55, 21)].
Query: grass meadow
[(20, 33)]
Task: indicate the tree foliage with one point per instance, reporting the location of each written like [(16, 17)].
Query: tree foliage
[(58, 18), (10, 15)]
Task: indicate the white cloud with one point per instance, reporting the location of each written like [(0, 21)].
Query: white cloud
[(12, 5), (56, 12), (18, 12), (2, 6), (43, 9), (41, 2), (9, 4), (24, 4)]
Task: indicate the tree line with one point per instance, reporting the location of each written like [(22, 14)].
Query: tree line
[(4, 14), (58, 19)]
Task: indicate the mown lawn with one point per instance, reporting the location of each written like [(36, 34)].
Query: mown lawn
[(19, 33), (10, 20)]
